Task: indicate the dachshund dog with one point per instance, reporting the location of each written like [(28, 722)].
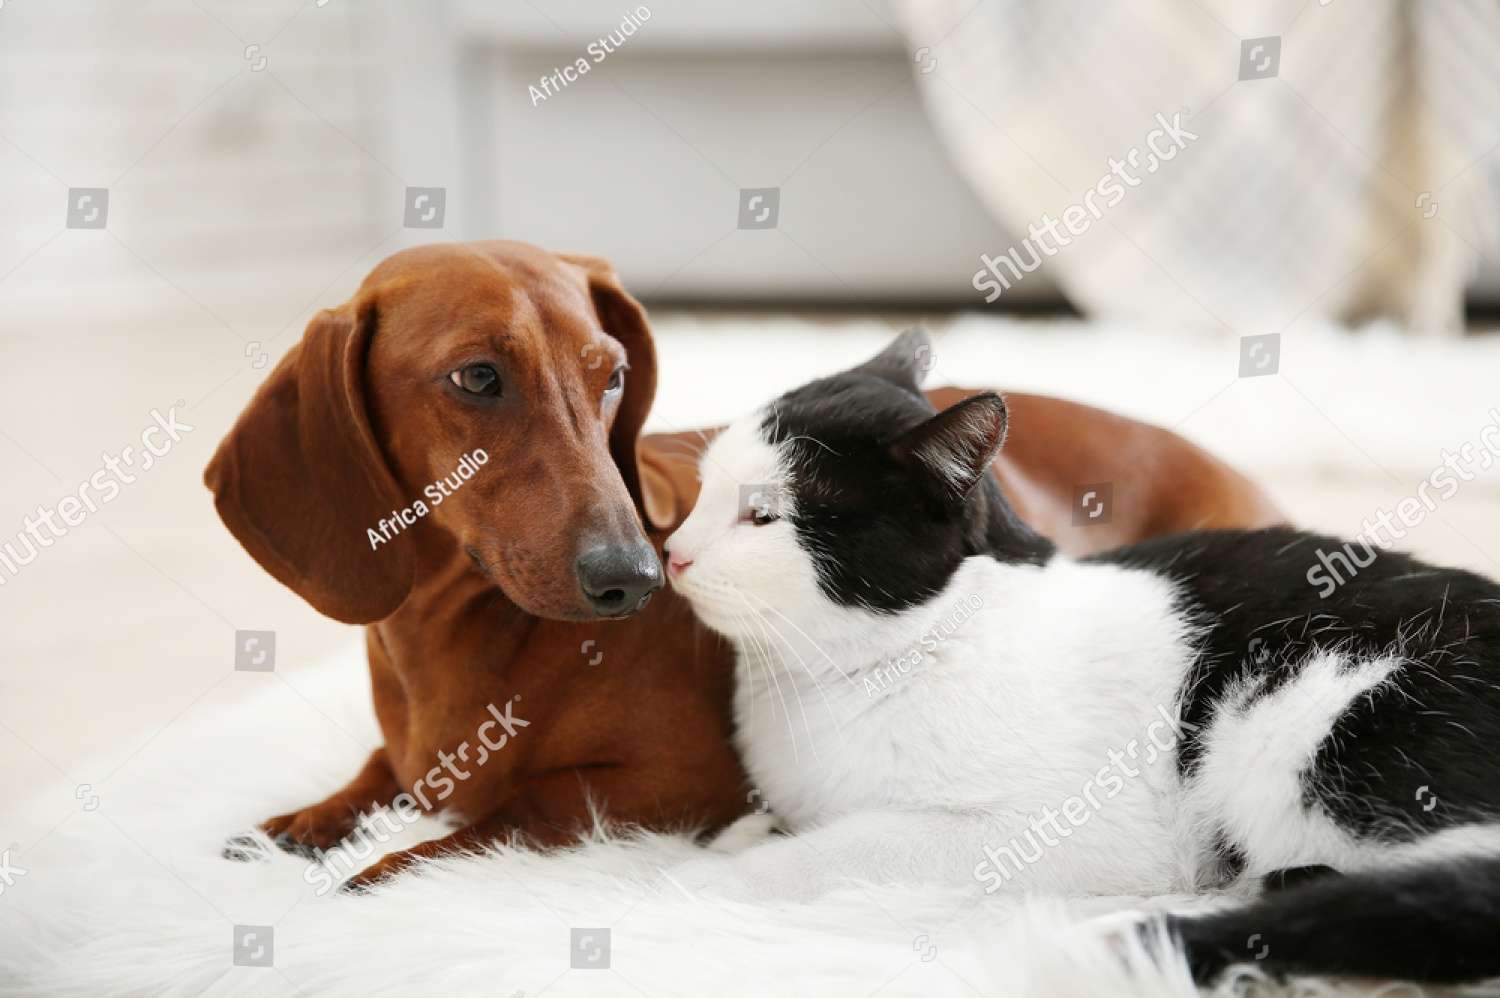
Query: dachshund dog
[(453, 458)]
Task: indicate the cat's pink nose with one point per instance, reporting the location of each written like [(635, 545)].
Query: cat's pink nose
[(676, 566)]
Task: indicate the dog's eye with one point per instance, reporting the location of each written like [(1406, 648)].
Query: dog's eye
[(477, 379), (616, 381)]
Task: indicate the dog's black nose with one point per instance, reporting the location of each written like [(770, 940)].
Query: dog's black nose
[(618, 580)]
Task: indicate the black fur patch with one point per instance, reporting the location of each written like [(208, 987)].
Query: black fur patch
[(881, 537), (1436, 923), (1432, 726), (1295, 876)]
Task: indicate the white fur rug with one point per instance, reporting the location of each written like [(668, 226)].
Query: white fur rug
[(136, 899)]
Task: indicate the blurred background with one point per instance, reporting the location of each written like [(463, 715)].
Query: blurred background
[(1267, 225)]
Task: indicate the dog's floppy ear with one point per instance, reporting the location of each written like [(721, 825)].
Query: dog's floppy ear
[(622, 317), (300, 478)]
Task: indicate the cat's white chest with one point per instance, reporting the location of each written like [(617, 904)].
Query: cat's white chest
[(851, 746), (1009, 709)]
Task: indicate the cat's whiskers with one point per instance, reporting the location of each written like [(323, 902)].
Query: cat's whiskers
[(810, 675), (745, 660), (704, 590), (817, 647), (797, 694), (709, 593), (764, 657), (785, 713), (771, 659)]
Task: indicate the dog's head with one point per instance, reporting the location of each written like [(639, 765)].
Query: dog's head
[(494, 391)]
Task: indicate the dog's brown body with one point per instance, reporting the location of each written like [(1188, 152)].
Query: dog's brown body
[(480, 610)]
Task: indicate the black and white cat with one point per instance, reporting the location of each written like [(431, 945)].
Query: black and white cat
[(928, 690)]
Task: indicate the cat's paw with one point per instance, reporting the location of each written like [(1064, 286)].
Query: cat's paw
[(744, 833)]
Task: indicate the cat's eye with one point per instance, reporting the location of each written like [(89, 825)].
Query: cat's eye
[(616, 382), (477, 379), (758, 516)]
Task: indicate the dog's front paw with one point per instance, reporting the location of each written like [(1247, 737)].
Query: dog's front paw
[(248, 848), (321, 826), (380, 872)]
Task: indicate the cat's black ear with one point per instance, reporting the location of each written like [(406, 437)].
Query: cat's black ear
[(905, 362), (955, 447)]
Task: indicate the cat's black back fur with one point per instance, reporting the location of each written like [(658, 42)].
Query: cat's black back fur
[(1434, 725)]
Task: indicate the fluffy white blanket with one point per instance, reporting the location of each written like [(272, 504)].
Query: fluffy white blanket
[(135, 898)]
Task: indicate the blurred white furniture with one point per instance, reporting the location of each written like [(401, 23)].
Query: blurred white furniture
[(642, 158), (1342, 160), (1301, 179)]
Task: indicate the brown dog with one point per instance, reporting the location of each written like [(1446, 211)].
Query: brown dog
[(483, 592)]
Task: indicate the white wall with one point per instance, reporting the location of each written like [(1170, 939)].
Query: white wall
[(244, 189)]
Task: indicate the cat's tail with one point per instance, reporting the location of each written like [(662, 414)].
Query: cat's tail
[(1433, 921)]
